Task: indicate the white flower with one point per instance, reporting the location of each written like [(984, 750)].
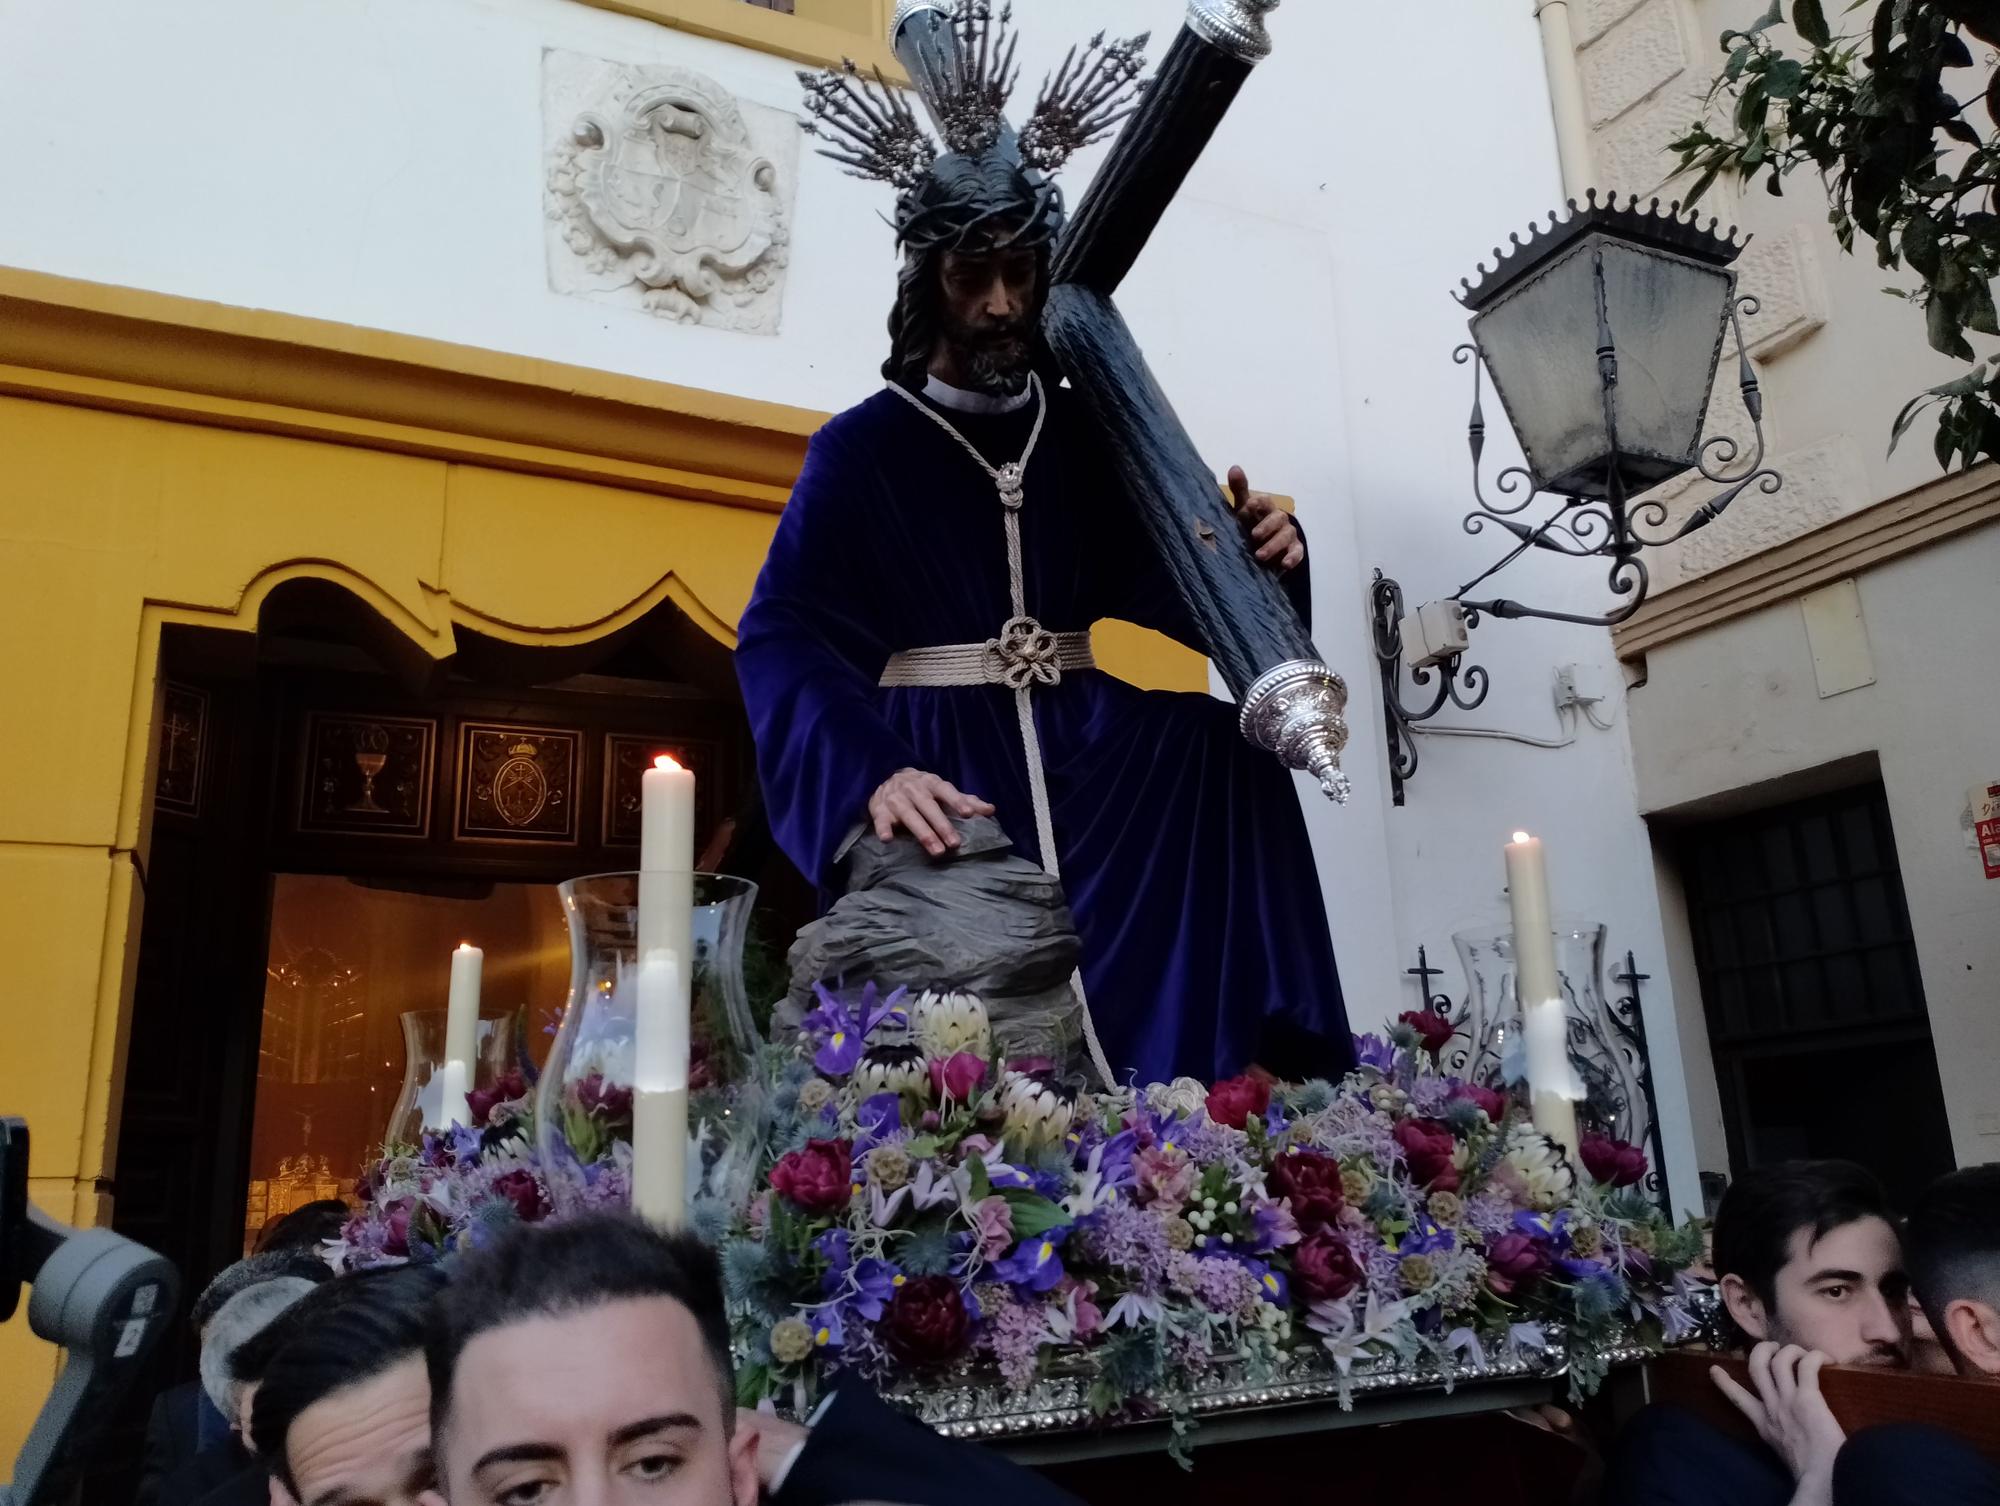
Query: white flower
[(892, 1069), (948, 1023), (1038, 1108), (1180, 1097), (1545, 1180)]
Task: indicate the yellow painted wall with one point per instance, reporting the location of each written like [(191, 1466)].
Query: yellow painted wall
[(131, 499)]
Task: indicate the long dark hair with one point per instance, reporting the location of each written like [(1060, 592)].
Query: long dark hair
[(968, 203)]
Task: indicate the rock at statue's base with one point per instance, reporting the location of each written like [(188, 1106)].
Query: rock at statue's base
[(983, 921)]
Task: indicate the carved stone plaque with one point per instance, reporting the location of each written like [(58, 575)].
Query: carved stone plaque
[(518, 784), (627, 756), (183, 745), (666, 193), (367, 775)]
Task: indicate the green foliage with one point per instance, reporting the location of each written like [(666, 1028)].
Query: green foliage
[(1905, 162)]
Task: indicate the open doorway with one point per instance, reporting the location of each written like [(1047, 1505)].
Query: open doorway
[(331, 819), (1810, 985)]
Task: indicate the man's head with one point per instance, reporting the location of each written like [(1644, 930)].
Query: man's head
[(306, 1227), (1807, 1254), (976, 235), (343, 1413), (235, 1324), (1954, 1250), (588, 1363), (248, 1272)]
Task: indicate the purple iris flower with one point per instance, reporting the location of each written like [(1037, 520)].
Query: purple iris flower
[(877, 1118), (1271, 1285), (1272, 1227), (829, 1330), (1274, 1120), (1373, 1051), (1000, 1174), (1034, 1265), (1426, 1238), (834, 1248), (1550, 1229), (1115, 1165), (840, 1030), (875, 1282)]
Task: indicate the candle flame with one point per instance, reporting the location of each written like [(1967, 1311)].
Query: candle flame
[(465, 946), (1521, 836), (668, 763)]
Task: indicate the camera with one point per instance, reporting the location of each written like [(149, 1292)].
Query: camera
[(105, 1300)]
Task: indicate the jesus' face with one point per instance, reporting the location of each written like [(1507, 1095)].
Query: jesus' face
[(990, 302)]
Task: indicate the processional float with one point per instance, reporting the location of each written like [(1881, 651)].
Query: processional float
[(1291, 703)]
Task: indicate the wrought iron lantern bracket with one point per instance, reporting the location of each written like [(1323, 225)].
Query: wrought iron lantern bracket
[(1593, 515)]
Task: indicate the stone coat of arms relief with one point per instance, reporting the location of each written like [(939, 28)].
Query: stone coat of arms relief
[(665, 192)]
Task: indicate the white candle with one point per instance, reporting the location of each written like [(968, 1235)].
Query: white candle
[(1538, 987), (461, 1029), (662, 1005), (452, 1105)]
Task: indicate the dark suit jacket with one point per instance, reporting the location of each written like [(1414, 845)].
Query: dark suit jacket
[(182, 1423), (861, 1449)]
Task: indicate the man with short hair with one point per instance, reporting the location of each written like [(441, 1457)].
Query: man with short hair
[(1953, 1244), (1811, 1273), (587, 1363), (343, 1412)]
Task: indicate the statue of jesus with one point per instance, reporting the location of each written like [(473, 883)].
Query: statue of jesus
[(917, 652)]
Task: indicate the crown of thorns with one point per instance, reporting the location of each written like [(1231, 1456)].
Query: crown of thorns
[(869, 128)]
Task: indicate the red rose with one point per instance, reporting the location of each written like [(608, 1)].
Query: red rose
[(1428, 1147), (520, 1188), (396, 1227), (610, 1100), (925, 1322), (1323, 1268), (820, 1178), (1492, 1103), (1312, 1182), (1612, 1163), (1515, 1264), (957, 1077), (1233, 1102), (1433, 1030)]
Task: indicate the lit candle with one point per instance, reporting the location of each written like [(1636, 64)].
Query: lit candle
[(661, 996), (461, 1032), (1538, 987)]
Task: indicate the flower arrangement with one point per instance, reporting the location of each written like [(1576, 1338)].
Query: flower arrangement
[(457, 1188), (930, 1211)]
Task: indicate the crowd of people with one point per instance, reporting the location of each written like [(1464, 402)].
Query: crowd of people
[(1816, 1269), (579, 1363), (589, 1361)]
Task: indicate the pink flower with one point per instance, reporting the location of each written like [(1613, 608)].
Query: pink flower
[(957, 1078), (1612, 1163), (993, 1227), (520, 1188), (1323, 1268), (1515, 1264), (1086, 1317), (1433, 1030), (1166, 1179), (1493, 1104), (396, 1227), (1429, 1148), (1235, 1099), (819, 1179)]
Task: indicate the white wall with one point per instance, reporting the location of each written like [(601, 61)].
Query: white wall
[(1739, 706), (374, 162)]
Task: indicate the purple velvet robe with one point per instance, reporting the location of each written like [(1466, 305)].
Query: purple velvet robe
[(1183, 850)]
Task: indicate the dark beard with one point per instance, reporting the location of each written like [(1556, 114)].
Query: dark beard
[(993, 360)]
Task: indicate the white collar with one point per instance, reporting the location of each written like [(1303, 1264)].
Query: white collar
[(959, 400)]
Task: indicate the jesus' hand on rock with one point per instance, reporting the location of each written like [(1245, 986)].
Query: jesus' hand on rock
[(1272, 532), (919, 802)]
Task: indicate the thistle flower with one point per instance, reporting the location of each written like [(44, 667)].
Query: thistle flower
[(948, 1023), (892, 1069), (1419, 1273), (1586, 1241), (1446, 1208), (1356, 1183), (815, 1093)]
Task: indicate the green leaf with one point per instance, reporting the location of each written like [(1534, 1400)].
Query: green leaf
[(1977, 308), (1772, 17), (1034, 1215), (1920, 243), (1944, 327), (982, 1185), (1784, 79), (1738, 60), (1809, 21)]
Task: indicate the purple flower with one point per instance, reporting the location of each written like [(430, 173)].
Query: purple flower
[(1272, 1227), (877, 1118), (993, 1225), (957, 1078), (1373, 1051), (1271, 1284), (1034, 1266), (840, 1030)]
